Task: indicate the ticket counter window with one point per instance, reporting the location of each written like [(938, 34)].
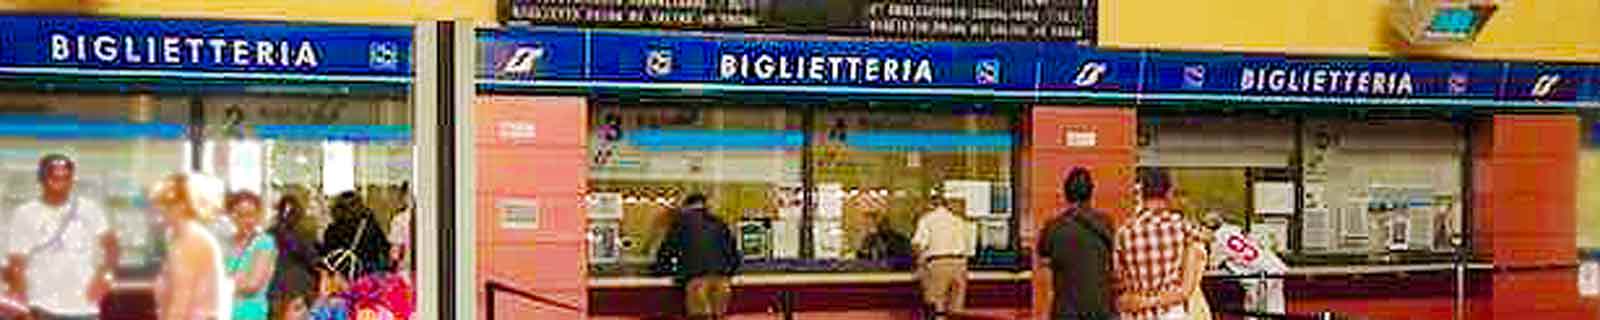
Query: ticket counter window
[(307, 147), (875, 169), (645, 159), (1233, 167), (1314, 186), (867, 173), (1382, 187)]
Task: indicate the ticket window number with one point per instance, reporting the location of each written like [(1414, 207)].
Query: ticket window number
[(1241, 249)]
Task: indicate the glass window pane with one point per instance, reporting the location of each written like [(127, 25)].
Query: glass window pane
[(275, 146), (875, 169), (1389, 185), (645, 159)]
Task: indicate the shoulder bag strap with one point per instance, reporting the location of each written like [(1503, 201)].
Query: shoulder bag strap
[(60, 232)]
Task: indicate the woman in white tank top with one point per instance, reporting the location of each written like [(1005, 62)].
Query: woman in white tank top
[(192, 284)]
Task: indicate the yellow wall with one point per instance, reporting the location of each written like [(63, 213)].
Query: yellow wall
[(1562, 30), (350, 11)]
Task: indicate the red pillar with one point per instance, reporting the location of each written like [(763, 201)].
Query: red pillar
[(530, 152), (1524, 212), (1059, 138)]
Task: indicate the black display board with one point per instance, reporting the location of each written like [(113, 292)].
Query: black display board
[(1024, 20)]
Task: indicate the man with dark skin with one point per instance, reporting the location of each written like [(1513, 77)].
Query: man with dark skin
[(1076, 246), (61, 254)]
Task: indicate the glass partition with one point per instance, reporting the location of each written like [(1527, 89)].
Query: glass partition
[(307, 147), (867, 172)]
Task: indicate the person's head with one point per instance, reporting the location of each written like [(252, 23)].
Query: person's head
[(694, 201), (349, 205), (289, 209), (293, 306), (245, 209), (1154, 184), (183, 197), (1078, 187), (56, 173), (938, 201)]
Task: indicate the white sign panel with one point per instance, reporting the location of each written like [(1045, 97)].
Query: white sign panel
[(1589, 278), (1274, 197), (518, 213), (1082, 139), (607, 205)]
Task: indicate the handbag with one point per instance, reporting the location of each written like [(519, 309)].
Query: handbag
[(344, 260)]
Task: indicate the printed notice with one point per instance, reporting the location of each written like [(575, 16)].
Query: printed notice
[(1589, 278), (1274, 197), (518, 213), (607, 205), (1082, 139)]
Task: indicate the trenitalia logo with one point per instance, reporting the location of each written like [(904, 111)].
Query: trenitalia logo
[(1090, 73), (524, 59), (1545, 85)]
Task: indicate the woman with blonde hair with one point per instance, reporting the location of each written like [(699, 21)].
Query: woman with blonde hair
[(193, 283)]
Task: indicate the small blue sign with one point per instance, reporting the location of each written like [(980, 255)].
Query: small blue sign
[(40, 44)]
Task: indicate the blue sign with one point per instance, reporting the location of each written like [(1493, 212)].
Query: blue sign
[(576, 58), (1255, 75), (1545, 82), (1081, 69), (754, 61), (35, 44)]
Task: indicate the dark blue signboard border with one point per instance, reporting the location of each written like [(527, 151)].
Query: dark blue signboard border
[(590, 59), (204, 49)]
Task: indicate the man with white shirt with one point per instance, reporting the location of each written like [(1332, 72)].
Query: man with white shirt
[(943, 242), (60, 251)]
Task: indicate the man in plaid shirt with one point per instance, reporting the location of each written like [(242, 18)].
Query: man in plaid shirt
[(1148, 257)]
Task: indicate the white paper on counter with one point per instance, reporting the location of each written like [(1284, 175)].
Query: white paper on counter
[(829, 237), (786, 238), (830, 200), (1589, 278)]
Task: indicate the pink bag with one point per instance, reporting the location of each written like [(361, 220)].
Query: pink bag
[(10, 308)]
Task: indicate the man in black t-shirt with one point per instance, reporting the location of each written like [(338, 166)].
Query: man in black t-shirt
[(1076, 246)]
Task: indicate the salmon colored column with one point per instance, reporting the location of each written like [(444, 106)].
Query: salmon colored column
[(1524, 207), (531, 225), (1059, 138)]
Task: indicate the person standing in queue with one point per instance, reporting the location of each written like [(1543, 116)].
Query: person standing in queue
[(943, 242), (61, 252), (1151, 259), (252, 256), (1076, 246), (193, 283), (703, 251)]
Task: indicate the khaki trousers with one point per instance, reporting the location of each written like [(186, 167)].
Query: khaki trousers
[(944, 284), (706, 297)]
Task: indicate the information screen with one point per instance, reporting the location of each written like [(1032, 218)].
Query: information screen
[(1042, 20)]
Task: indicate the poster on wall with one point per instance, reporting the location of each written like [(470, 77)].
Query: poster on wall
[(1589, 278), (1273, 197), (605, 205), (975, 194), (1051, 20)]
